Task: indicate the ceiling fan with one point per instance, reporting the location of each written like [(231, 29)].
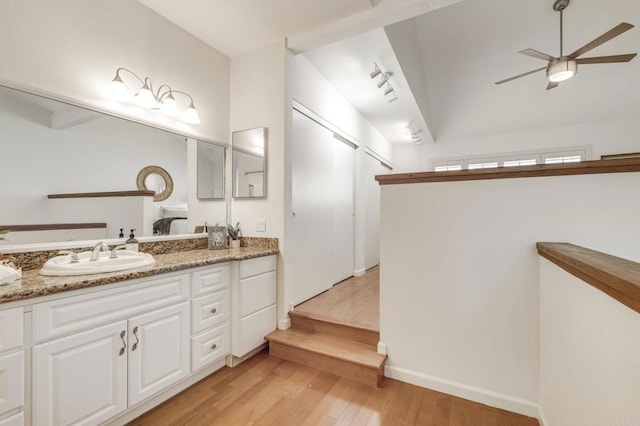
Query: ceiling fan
[(565, 67)]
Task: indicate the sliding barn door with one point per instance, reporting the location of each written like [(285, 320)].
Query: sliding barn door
[(322, 237)]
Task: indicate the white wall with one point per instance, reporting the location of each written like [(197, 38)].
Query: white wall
[(589, 351), (258, 100), (608, 137), (72, 48), (459, 275)]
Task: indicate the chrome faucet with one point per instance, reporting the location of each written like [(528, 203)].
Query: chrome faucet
[(73, 255), (114, 252), (95, 254)]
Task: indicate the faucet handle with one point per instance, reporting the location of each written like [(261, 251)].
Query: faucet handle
[(74, 255), (114, 252)]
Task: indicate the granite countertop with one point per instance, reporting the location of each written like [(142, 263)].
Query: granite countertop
[(33, 284)]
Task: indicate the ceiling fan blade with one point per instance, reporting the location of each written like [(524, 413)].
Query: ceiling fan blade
[(520, 75), (539, 55), (612, 33), (552, 85), (606, 59)]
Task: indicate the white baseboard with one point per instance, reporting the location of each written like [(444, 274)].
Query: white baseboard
[(284, 324), (382, 348), (543, 417), (359, 272), (483, 396)]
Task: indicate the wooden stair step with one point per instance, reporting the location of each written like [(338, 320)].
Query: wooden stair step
[(353, 360), (326, 325)]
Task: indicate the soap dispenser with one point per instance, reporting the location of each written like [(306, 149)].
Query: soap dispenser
[(132, 243)]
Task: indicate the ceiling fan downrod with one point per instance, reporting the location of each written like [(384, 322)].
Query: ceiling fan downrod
[(560, 6)]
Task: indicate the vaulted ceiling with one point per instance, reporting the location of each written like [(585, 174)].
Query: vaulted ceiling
[(445, 62)]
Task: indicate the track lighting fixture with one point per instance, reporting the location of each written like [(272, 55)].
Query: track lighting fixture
[(164, 101), (384, 82)]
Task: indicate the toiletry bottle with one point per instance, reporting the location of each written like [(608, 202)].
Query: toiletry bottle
[(121, 235), (132, 243)]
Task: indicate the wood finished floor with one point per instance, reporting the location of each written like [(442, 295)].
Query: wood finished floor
[(352, 301), (268, 391)]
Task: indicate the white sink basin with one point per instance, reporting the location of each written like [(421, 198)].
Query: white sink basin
[(62, 266)]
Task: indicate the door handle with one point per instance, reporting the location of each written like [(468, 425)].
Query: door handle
[(124, 344), (135, 334)]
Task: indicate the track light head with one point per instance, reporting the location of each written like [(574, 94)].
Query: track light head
[(376, 72)]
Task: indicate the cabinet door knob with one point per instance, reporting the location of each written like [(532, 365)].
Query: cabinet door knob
[(124, 344), (214, 346), (214, 310), (135, 334)]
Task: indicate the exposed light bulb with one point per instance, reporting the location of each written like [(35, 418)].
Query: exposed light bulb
[(191, 115), (169, 106)]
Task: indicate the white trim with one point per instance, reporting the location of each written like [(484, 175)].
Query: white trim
[(543, 417), (382, 348), (324, 123), (359, 272), (284, 324), (386, 163), (472, 393)]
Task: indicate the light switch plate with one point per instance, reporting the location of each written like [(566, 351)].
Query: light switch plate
[(262, 225)]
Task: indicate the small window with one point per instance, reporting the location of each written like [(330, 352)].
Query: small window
[(487, 165), (564, 159), (515, 163), (450, 168)]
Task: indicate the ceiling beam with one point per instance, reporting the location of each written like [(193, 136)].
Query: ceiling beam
[(384, 12)]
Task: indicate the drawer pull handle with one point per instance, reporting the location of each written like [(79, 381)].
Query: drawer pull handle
[(214, 310), (214, 346), (124, 344), (135, 334)]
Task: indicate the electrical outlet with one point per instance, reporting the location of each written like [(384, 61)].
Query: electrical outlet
[(262, 225)]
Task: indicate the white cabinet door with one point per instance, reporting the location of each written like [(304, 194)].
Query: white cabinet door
[(158, 351), (11, 381), (81, 379)]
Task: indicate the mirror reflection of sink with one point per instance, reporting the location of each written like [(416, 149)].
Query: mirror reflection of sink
[(61, 265)]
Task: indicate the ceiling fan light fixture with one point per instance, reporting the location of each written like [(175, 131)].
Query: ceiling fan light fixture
[(562, 70)]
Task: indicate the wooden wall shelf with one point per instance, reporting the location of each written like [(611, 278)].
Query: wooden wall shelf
[(53, 226), (542, 170), (617, 277), (135, 193)]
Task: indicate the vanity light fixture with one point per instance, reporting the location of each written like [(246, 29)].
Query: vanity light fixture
[(164, 101)]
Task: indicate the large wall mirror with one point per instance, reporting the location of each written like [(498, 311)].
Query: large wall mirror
[(52, 149), (249, 163), (210, 171)]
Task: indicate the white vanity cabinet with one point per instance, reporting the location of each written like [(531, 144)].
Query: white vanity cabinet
[(12, 366), (90, 376), (254, 303), (210, 313), (105, 355)]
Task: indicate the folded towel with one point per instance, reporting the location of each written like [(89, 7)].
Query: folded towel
[(9, 275)]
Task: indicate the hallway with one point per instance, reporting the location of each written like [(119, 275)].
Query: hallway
[(354, 301)]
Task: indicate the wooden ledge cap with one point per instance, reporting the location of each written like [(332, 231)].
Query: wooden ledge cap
[(541, 170), (617, 277)]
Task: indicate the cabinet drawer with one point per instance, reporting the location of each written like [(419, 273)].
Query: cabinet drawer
[(209, 346), (12, 379), (253, 328), (257, 292), (11, 329), (75, 313), (209, 310), (210, 280), (15, 420), (259, 265)]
